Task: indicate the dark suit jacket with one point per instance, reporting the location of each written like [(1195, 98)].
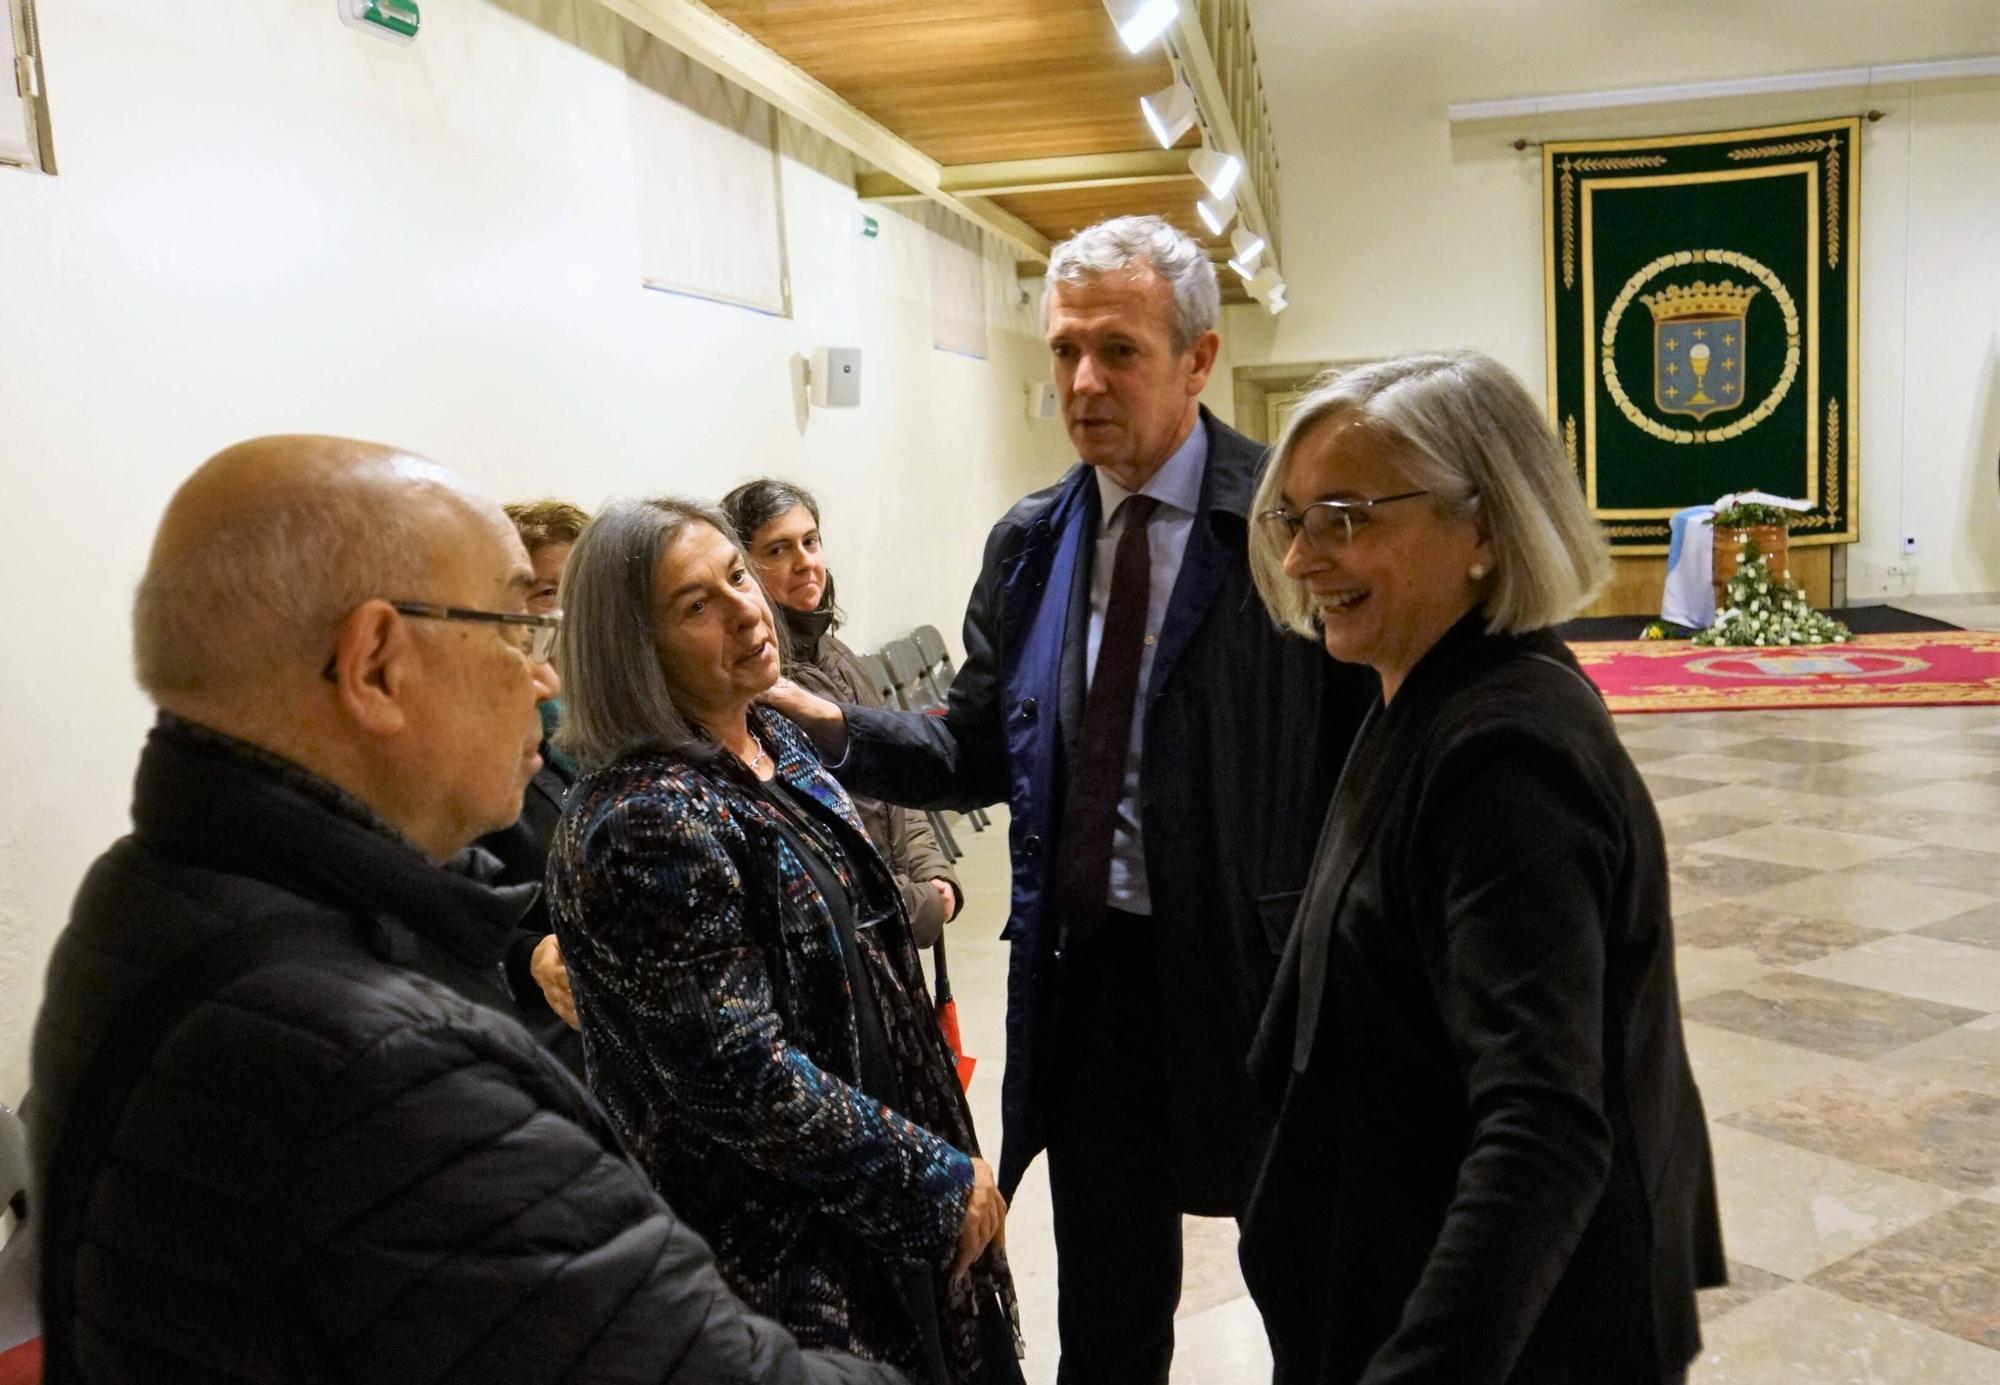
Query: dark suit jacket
[(1491, 1163), (1245, 729)]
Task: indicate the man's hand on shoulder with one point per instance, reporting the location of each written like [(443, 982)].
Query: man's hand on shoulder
[(817, 717)]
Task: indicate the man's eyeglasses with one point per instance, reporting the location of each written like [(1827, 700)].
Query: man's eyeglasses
[(1329, 523), (537, 640), (538, 633)]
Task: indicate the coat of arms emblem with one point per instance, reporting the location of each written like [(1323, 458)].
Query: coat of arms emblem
[(1698, 346)]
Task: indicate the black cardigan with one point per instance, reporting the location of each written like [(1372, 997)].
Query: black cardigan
[(1491, 1163)]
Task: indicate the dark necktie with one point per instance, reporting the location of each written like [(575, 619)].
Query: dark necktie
[(1097, 779)]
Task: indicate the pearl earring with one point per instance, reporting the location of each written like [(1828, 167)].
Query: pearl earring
[(1476, 571)]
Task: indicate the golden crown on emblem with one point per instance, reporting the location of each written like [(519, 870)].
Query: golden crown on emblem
[(1700, 300)]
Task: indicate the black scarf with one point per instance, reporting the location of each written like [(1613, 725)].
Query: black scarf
[(806, 629)]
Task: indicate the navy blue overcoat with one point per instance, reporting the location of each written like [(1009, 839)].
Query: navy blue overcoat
[(1245, 730)]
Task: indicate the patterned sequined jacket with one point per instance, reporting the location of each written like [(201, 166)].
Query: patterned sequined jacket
[(720, 1032)]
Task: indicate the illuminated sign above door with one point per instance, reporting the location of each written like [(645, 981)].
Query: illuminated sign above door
[(395, 20)]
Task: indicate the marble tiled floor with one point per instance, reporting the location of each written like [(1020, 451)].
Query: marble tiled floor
[(1837, 904)]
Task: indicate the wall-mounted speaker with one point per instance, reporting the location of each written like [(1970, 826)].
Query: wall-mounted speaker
[(835, 377)]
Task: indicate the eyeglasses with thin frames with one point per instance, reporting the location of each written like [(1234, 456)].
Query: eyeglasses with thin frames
[(1329, 524), (537, 642)]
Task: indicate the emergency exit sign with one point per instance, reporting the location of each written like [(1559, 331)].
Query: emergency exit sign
[(395, 20)]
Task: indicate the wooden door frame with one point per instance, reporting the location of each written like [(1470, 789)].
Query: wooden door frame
[(1255, 384)]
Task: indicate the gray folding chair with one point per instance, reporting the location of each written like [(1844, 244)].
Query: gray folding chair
[(877, 674), (906, 669), (937, 659), (935, 671), (20, 1262), (876, 671), (13, 1161)]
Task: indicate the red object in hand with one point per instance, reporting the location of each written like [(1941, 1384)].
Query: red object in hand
[(947, 1018), (22, 1365)]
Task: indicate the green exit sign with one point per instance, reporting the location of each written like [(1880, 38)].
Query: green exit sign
[(395, 20)]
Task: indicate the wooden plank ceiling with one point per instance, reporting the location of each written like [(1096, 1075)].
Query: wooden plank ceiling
[(986, 81)]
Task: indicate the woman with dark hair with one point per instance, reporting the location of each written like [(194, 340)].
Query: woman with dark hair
[(779, 524), (753, 1010)]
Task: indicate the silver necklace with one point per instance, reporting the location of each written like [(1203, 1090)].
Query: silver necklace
[(761, 759)]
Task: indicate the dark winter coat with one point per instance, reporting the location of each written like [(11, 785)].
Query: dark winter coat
[(344, 1166), (522, 850), (903, 835), (1491, 1164), (1245, 731), (722, 1034)]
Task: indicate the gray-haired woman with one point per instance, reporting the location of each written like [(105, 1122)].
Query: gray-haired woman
[(1490, 1163), (754, 1016)]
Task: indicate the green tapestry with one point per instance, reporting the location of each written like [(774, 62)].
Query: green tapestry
[(1702, 292)]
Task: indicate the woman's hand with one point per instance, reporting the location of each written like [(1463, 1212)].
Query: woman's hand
[(552, 975), (817, 717), (985, 1219), (948, 895)]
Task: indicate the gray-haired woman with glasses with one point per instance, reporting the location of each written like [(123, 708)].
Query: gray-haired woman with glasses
[(1490, 1163)]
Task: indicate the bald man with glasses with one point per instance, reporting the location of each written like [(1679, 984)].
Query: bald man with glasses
[(281, 1128)]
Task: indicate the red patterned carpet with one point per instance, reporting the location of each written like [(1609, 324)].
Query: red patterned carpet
[(1930, 669)]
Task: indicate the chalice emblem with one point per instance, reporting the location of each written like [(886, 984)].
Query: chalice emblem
[(1699, 344), (1698, 359)]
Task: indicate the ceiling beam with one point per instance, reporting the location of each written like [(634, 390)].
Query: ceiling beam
[(715, 43), (1012, 176)]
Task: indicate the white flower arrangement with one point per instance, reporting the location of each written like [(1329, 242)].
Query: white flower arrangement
[(1765, 610)]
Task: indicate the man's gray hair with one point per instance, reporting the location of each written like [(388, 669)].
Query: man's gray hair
[(1469, 434), (616, 700), (1125, 241), (269, 590)]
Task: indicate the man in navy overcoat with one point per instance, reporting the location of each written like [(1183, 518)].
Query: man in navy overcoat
[(1166, 754)]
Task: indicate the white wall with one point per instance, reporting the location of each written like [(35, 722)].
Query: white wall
[(1402, 233), (268, 222)]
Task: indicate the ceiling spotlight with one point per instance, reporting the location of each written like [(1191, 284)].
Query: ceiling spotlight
[(1218, 172), (1276, 303), (1247, 244), (1169, 112), (1264, 283), (1216, 213), (1243, 271), (1139, 22)]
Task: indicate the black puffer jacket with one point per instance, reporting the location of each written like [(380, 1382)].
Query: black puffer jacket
[(339, 1166), (522, 850)]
